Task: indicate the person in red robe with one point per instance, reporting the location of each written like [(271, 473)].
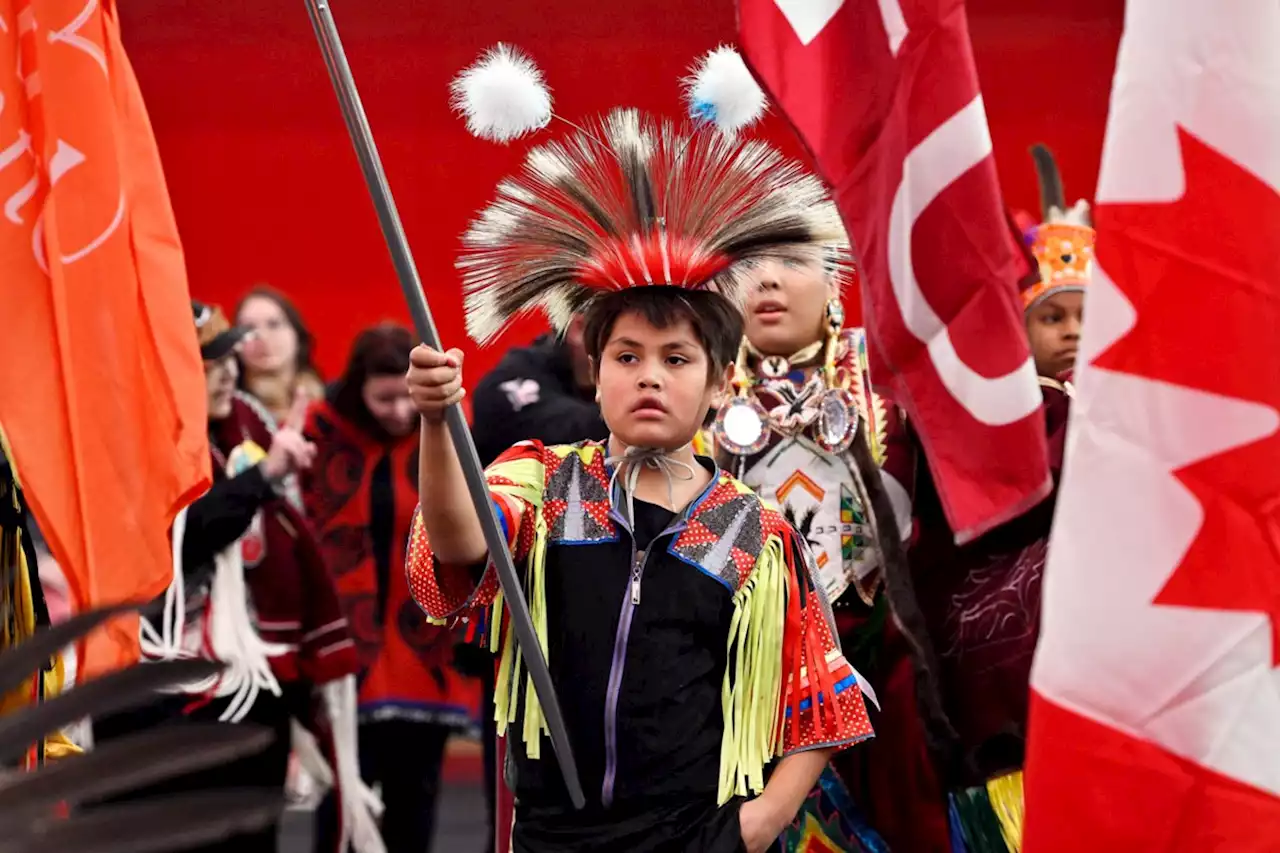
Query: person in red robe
[(360, 494)]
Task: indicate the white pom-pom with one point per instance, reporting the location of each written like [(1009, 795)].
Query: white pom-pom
[(721, 90), (502, 96)]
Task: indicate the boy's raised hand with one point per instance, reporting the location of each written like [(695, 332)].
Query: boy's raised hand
[(435, 380)]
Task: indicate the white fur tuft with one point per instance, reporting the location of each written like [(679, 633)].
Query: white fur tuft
[(502, 96), (720, 89)]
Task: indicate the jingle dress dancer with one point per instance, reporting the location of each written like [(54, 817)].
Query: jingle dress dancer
[(802, 398)]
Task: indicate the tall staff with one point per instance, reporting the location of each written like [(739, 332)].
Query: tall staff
[(357, 122)]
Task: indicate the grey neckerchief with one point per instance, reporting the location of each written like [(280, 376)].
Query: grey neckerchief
[(636, 458)]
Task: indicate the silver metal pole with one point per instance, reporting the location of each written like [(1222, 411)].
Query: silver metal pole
[(357, 122)]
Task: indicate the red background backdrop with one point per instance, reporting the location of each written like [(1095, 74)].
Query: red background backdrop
[(266, 187)]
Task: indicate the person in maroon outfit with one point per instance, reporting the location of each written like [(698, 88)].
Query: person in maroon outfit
[(982, 601)]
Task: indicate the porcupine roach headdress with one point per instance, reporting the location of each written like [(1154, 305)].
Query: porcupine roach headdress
[(623, 201), (1063, 242)]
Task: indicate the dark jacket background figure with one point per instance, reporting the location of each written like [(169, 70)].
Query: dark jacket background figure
[(532, 393)]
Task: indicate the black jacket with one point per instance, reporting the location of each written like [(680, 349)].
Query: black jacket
[(531, 394)]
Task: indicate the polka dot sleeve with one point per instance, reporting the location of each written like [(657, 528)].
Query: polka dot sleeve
[(445, 592), (822, 704)]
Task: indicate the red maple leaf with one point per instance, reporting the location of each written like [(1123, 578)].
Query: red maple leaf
[(1203, 274)]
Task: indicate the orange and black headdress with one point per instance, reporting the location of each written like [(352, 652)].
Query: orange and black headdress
[(1063, 242)]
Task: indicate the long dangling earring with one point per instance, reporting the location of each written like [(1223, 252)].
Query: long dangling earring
[(837, 409), (740, 422), (835, 324)]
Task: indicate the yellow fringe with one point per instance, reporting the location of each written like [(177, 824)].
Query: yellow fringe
[(535, 585), (751, 694), (529, 476), (1005, 793)]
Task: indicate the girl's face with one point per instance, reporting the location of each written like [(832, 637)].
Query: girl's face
[(273, 347), (653, 384), (387, 399), (786, 310)]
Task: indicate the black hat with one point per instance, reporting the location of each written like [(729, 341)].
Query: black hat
[(218, 338)]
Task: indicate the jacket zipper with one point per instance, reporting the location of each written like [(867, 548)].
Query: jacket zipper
[(629, 603)]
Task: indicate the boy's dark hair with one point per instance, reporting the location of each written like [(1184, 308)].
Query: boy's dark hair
[(716, 323)]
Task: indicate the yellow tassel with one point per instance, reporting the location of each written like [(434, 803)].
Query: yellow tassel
[(751, 695), (1005, 793), (528, 477), (495, 622), (536, 588), (503, 707)]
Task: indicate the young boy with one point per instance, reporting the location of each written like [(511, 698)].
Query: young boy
[(1055, 305), (687, 640)]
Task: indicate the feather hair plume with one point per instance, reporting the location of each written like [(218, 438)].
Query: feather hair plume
[(1053, 198), (720, 89), (502, 95), (633, 201)]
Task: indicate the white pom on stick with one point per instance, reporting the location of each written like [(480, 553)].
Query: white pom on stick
[(721, 90), (502, 96)]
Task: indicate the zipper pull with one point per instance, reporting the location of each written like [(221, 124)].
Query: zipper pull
[(635, 578)]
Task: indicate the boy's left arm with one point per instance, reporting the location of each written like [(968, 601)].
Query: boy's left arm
[(822, 705), (764, 818)]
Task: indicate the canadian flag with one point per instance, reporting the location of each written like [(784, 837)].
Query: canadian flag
[(1155, 718), (885, 96)]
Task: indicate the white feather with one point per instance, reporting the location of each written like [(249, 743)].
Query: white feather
[(502, 96), (721, 89)]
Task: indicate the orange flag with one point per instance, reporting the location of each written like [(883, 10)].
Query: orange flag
[(102, 387)]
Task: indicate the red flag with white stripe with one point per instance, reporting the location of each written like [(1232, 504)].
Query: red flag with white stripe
[(885, 95), (1155, 719)]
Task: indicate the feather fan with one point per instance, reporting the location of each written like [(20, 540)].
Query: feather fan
[(127, 764), (156, 825), (28, 820), (114, 692), (17, 664)]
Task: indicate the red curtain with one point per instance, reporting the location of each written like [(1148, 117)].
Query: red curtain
[(266, 187)]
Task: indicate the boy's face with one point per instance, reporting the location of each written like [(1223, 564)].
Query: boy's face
[(1053, 327), (653, 384), (786, 310)]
